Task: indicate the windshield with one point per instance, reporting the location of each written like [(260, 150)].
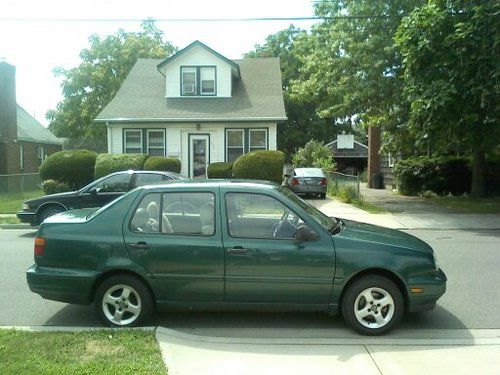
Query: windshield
[(326, 222)]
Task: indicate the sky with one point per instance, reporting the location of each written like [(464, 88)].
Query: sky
[(37, 46)]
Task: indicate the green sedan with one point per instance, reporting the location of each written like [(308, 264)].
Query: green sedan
[(224, 245)]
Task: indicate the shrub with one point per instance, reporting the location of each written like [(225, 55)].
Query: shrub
[(260, 165), (53, 186), (73, 167), (109, 163), (160, 163), (314, 154), (346, 193), (220, 170)]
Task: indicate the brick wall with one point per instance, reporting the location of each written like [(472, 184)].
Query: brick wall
[(31, 161)]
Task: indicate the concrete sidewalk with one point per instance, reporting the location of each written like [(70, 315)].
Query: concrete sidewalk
[(332, 207), (431, 352)]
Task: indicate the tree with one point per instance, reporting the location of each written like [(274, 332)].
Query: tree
[(451, 66), (314, 154), (352, 71), (88, 88)]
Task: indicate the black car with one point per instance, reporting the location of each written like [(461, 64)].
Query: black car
[(95, 194)]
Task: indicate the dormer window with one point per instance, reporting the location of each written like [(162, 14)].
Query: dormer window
[(198, 80)]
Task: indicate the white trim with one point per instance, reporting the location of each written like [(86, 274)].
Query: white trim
[(227, 142), (156, 148), (183, 119), (125, 139), (198, 137), (390, 160), (250, 139), (21, 156), (335, 141)]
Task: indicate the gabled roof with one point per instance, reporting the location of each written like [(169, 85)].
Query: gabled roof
[(257, 96), (200, 44), (30, 130), (359, 151)]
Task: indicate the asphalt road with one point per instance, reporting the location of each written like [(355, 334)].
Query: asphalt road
[(469, 258)]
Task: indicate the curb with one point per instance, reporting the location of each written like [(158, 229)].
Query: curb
[(16, 226), (73, 329)]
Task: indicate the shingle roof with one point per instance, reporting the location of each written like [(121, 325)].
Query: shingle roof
[(30, 130), (256, 96)]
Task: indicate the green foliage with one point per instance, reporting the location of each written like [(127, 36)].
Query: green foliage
[(314, 154), (260, 165), (160, 163), (346, 193), (220, 170), (109, 163), (438, 174), (53, 186), (73, 167), (88, 88), (450, 54)]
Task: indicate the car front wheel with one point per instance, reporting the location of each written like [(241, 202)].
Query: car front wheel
[(373, 305), (123, 301)]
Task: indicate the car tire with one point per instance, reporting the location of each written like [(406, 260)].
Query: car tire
[(49, 211), (123, 301), (372, 305), (323, 196)]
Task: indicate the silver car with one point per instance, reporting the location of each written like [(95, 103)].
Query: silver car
[(308, 181)]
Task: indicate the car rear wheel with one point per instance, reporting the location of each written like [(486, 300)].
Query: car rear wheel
[(373, 305), (49, 211), (123, 301)]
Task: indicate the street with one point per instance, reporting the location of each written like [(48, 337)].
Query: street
[(472, 301)]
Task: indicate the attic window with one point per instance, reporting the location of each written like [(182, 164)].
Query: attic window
[(207, 80), (198, 81), (188, 81)]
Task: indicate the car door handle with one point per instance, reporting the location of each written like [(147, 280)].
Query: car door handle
[(237, 250), (139, 245)]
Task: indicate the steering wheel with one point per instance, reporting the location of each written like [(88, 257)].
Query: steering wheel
[(184, 207), (286, 218)]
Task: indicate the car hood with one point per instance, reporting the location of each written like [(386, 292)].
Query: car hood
[(50, 197), (72, 216), (382, 235)]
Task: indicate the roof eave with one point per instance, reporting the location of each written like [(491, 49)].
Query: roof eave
[(221, 119)]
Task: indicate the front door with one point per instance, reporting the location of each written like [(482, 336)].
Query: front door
[(199, 155)]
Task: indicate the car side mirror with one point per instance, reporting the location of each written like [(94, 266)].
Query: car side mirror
[(303, 234)]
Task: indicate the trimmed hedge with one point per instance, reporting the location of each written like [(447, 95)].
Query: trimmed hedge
[(443, 174), (109, 163), (220, 170), (73, 167), (160, 163), (53, 187), (260, 165)]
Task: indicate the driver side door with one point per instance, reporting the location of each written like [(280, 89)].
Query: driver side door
[(263, 262)]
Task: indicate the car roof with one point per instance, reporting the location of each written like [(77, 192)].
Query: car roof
[(194, 183), (309, 172)]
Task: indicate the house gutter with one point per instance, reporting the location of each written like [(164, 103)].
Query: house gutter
[(225, 119)]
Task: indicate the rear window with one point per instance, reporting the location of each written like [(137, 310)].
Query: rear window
[(309, 172)]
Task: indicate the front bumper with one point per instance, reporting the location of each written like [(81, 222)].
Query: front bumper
[(433, 288), (27, 217), (62, 284)]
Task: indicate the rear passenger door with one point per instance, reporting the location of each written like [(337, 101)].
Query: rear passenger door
[(174, 234)]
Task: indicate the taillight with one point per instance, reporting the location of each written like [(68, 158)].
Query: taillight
[(295, 181), (323, 181), (39, 246)]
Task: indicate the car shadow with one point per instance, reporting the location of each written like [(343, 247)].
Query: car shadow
[(29, 234), (74, 316)]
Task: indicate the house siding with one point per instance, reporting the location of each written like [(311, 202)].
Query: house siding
[(198, 56)]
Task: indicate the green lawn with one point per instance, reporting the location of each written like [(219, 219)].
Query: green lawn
[(10, 203), (90, 352), (369, 207), (470, 205)]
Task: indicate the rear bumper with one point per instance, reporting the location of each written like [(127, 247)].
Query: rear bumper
[(63, 285), (309, 189), (433, 288), (27, 217)]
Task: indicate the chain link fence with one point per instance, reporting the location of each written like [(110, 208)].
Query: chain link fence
[(20, 183), (339, 182)]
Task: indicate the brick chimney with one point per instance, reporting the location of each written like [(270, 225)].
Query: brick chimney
[(9, 148)]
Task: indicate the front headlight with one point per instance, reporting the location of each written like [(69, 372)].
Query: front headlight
[(26, 207), (435, 261)]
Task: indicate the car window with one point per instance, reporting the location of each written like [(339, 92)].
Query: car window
[(188, 213), (146, 217), (150, 179), (260, 216), (118, 183)]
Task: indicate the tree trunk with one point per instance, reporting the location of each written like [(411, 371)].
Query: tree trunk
[(478, 174)]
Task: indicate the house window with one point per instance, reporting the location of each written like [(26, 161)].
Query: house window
[(207, 74), (21, 157), (257, 139), (133, 142), (235, 144), (40, 154), (156, 142), (188, 80)]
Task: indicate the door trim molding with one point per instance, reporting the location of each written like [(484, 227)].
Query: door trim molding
[(189, 149)]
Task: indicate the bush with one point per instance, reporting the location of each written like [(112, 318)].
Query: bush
[(160, 163), (260, 165), (314, 154), (73, 167), (346, 193), (220, 170), (53, 186), (109, 163)]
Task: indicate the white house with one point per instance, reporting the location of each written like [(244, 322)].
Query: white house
[(197, 106)]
